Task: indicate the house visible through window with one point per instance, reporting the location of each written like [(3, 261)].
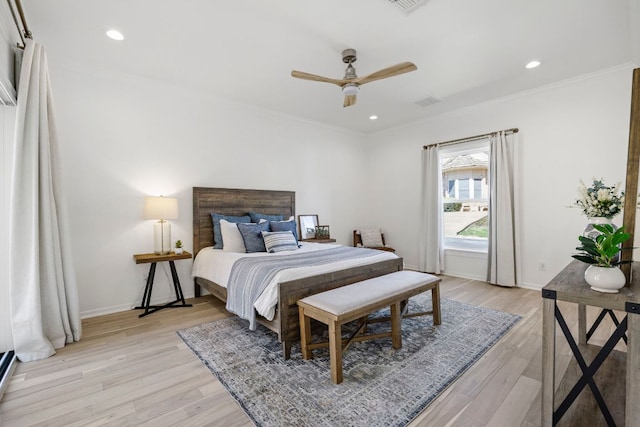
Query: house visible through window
[(465, 196)]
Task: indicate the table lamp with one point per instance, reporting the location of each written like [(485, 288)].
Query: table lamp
[(162, 209)]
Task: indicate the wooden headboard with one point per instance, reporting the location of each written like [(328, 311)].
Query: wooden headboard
[(238, 202)]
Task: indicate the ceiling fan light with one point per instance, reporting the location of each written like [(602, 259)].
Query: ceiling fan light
[(350, 89), (115, 35)]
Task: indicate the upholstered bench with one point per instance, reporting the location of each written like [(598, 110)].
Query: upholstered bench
[(356, 301)]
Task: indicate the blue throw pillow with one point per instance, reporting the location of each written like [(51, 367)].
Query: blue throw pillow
[(252, 236), (256, 217), (285, 226), (279, 241), (217, 233)]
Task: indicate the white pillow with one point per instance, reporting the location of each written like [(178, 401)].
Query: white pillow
[(371, 237), (231, 238)]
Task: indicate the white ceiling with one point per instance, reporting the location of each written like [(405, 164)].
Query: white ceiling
[(466, 51)]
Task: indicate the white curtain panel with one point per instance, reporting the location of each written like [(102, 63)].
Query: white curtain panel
[(45, 311), (503, 212), (431, 255)]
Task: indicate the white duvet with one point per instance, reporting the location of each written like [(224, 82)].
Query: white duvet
[(215, 265)]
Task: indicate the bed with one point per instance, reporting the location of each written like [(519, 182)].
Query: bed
[(239, 202)]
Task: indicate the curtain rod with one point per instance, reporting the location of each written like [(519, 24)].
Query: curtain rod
[(23, 31), (473, 138)]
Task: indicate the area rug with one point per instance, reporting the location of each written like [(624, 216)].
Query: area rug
[(381, 387)]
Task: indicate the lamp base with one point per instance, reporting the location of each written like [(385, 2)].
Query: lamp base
[(162, 237)]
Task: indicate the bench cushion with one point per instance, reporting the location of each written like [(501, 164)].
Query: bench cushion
[(349, 298)]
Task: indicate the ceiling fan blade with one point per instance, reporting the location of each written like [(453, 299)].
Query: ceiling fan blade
[(394, 70), (315, 78), (349, 100)]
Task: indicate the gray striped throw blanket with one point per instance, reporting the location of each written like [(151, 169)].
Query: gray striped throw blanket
[(250, 276)]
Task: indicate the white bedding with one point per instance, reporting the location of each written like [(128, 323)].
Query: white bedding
[(215, 265)]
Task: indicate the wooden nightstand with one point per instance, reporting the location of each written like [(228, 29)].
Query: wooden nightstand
[(318, 240), (154, 259)]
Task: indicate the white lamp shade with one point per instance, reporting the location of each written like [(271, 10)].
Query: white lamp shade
[(160, 208)]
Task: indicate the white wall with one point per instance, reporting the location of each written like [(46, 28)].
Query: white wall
[(569, 131), (124, 138)]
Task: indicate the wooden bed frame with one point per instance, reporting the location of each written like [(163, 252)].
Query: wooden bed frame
[(227, 201)]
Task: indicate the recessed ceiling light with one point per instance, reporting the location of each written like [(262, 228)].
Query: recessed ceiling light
[(533, 64), (115, 35), (373, 117)]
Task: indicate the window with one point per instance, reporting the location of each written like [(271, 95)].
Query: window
[(463, 189), (477, 188), (465, 171)]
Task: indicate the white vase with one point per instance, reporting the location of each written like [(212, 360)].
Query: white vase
[(605, 279), (178, 251), (591, 232)]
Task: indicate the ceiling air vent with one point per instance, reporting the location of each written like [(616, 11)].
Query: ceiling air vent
[(408, 6), (425, 102)]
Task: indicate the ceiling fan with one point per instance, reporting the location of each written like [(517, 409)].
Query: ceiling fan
[(351, 83)]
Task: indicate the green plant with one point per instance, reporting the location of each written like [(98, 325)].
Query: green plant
[(178, 244), (603, 250), (452, 207)]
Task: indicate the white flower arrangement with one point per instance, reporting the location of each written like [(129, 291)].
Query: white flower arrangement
[(599, 200)]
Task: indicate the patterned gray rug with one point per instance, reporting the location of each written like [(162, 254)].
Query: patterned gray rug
[(382, 386)]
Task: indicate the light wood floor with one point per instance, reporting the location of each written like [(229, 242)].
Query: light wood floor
[(131, 371)]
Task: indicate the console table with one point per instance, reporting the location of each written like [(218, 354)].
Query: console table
[(569, 285), (153, 259)]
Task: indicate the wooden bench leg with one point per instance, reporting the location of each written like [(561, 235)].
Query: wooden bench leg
[(335, 351), (435, 302), (305, 335), (396, 330), (363, 321)]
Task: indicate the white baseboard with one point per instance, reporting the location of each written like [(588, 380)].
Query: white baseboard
[(450, 273), (123, 307), (532, 286), (464, 276), (105, 310)]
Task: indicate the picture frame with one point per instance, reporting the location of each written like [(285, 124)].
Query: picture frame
[(322, 232), (307, 224)]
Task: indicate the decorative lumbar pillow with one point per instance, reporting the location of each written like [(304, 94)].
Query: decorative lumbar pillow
[(252, 236), (371, 237), (279, 241), (289, 225), (231, 237), (217, 233), (256, 217)]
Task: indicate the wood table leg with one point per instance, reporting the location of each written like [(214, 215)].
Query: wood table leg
[(548, 360), (396, 330), (335, 351), (582, 324), (435, 304), (632, 409)]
